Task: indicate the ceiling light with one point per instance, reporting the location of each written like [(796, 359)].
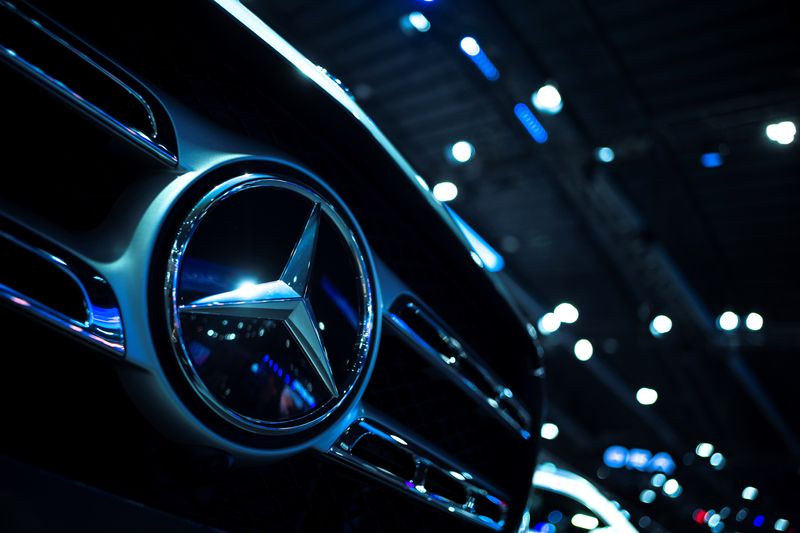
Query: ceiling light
[(704, 449), (605, 154), (584, 521), (445, 191), (531, 123), (473, 50), (470, 46), (549, 431), (566, 313), (711, 160), (462, 151), (728, 321), (754, 322), (549, 323), (660, 325), (547, 100), (583, 350), (782, 132), (658, 480), (647, 496), (749, 493), (781, 524), (416, 20), (672, 488), (646, 396), (717, 461)]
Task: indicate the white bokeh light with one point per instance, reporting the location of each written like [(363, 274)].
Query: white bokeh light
[(549, 323), (445, 191), (660, 325), (782, 132), (754, 322), (549, 431), (583, 350), (470, 46), (462, 151), (566, 313), (547, 99), (646, 396), (728, 321)]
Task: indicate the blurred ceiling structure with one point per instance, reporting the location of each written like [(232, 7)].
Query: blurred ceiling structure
[(697, 213)]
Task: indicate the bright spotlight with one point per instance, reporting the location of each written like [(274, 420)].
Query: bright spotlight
[(547, 100), (566, 313), (646, 396), (549, 431), (672, 488), (416, 21), (728, 321), (470, 46), (583, 350), (704, 449), (782, 132), (549, 323), (585, 521), (754, 322), (462, 151), (605, 154), (445, 191), (749, 493), (660, 325)]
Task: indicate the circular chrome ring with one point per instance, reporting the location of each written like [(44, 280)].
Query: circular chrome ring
[(354, 240)]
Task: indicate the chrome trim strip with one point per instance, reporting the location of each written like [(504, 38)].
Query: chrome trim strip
[(140, 138), (102, 326), (452, 364), (425, 462)]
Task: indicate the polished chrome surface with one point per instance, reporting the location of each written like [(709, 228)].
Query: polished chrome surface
[(478, 498), (278, 334), (284, 299), (463, 367), (149, 140), (102, 325)]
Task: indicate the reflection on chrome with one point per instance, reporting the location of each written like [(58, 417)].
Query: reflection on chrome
[(47, 38), (423, 332), (552, 479), (102, 323), (370, 447)]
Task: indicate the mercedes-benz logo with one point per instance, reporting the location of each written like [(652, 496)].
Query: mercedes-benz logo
[(285, 298), (270, 302)]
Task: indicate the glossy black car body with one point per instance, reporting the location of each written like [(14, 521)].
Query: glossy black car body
[(121, 118)]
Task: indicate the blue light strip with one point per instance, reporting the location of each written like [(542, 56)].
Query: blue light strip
[(485, 65), (492, 260), (531, 123)]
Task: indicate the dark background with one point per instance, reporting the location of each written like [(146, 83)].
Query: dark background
[(653, 232)]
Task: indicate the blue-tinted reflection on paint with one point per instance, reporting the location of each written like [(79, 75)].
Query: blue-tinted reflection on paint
[(492, 260)]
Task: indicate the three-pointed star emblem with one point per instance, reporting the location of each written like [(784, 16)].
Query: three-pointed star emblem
[(285, 298)]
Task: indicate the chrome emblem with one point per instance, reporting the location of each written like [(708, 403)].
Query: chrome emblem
[(270, 304), (283, 299)]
